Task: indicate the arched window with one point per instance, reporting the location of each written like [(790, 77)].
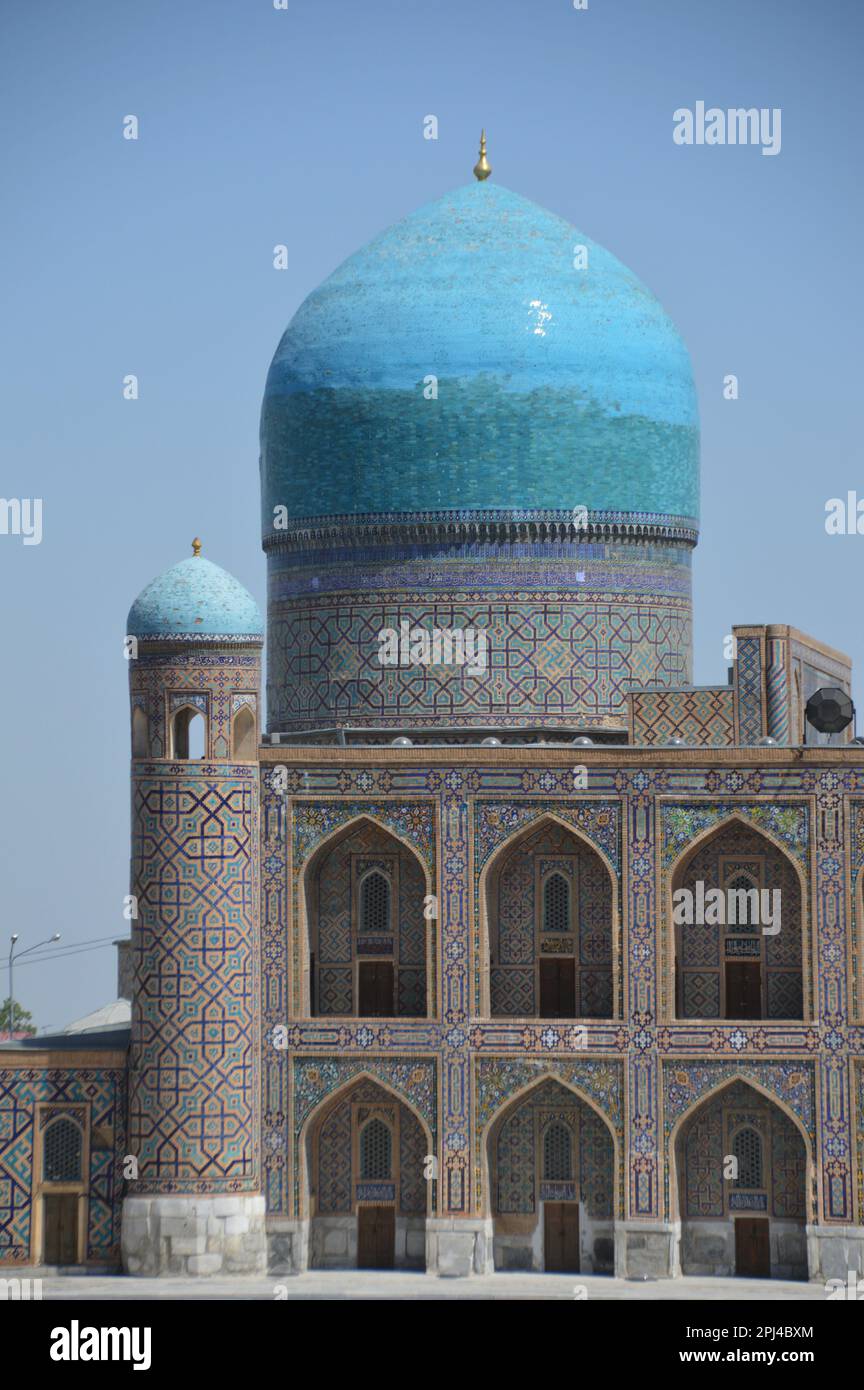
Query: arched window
[(742, 893), (243, 735), (557, 1153), (747, 1148), (62, 1151), (376, 1152), (140, 734), (188, 734), (374, 905), (556, 903)]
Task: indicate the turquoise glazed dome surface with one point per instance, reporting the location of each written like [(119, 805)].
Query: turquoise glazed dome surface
[(557, 387), (194, 599)]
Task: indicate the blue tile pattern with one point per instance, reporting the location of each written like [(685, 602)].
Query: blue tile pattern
[(194, 599), (556, 386)]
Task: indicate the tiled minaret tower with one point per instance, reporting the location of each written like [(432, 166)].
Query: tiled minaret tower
[(194, 1203)]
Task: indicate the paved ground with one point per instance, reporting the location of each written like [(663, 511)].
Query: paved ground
[(351, 1284)]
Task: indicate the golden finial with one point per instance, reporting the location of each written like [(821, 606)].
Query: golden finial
[(196, 546), (482, 169)]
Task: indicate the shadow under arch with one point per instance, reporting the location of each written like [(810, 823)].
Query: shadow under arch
[(489, 1133), (488, 875), (668, 934), (300, 986), (676, 1168)]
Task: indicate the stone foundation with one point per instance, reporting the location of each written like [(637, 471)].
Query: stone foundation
[(287, 1245), (835, 1251), (708, 1248), (333, 1242), (647, 1249), (194, 1236), (518, 1243), (459, 1246)]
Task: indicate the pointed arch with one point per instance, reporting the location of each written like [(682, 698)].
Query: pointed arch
[(481, 971), (304, 985), (244, 744), (318, 1116), (711, 1094), (140, 733), (710, 831), (187, 734), (670, 935), (489, 1132)]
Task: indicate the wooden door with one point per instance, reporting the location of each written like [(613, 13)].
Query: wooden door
[(376, 1237), (753, 1247), (561, 1237), (375, 989), (743, 989), (557, 988), (60, 1216)]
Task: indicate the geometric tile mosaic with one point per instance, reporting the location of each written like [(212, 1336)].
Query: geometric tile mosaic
[(193, 1100), (102, 1092)]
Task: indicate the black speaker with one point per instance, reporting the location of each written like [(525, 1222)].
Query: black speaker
[(829, 710)]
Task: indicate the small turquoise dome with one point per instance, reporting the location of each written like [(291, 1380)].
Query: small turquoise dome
[(195, 599), (462, 361)]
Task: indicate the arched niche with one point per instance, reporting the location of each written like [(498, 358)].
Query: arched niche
[(548, 938), (140, 733), (365, 1184), (738, 923), (368, 946), (244, 742), (741, 1185), (550, 1174), (188, 734)]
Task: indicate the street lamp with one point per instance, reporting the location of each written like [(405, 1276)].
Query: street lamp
[(47, 942)]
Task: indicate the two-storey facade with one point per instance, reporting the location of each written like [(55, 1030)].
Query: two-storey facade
[(494, 943)]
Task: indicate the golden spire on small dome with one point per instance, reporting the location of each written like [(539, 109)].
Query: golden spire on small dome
[(482, 169), (196, 546)]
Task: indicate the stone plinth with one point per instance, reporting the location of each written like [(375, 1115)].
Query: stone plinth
[(193, 1235), (458, 1246)]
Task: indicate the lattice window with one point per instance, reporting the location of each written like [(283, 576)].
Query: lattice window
[(556, 903), (62, 1152), (747, 1148), (744, 909), (374, 905), (557, 1153), (376, 1152)]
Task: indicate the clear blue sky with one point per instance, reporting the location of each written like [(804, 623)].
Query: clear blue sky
[(304, 126)]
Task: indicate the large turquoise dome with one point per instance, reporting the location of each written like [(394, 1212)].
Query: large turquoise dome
[(557, 386), (195, 600)]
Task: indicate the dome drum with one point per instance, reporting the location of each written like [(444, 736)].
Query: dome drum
[(570, 626)]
